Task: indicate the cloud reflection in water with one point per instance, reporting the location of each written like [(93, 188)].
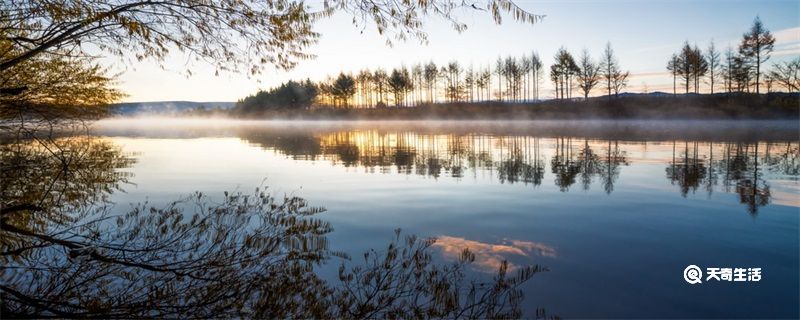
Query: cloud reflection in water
[(488, 257)]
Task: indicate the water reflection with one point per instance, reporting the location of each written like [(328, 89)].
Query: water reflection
[(490, 257), (65, 253), (629, 195), (742, 168)]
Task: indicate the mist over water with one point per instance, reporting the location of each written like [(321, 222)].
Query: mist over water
[(616, 210), (619, 129)]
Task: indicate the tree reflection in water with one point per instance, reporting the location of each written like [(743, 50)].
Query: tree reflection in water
[(741, 168), (687, 170), (743, 172), (735, 167), (65, 253)]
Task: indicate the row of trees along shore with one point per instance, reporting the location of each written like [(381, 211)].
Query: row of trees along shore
[(519, 79), (740, 70), (510, 79)]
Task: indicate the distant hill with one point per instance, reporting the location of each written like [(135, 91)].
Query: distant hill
[(651, 94), (165, 107)]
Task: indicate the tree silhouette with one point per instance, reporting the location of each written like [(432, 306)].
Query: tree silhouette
[(290, 95), (756, 46), (687, 171), (691, 65), (613, 158), (589, 164), (699, 67), (342, 89), (609, 66), (673, 66), (364, 87), (536, 69), (712, 57), (451, 74), (562, 72), (430, 75), (563, 164), (742, 171), (400, 84), (588, 75), (787, 74)]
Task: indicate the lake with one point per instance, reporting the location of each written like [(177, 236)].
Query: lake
[(615, 210)]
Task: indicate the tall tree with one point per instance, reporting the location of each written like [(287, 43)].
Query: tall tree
[(699, 66), (609, 67), (536, 67), (400, 83), (431, 73), (469, 82), (364, 79), (756, 45), (712, 57), (562, 72), (672, 67), (453, 86), (728, 69), (417, 82), (500, 70), (482, 82), (685, 65), (379, 79), (343, 89), (588, 75)]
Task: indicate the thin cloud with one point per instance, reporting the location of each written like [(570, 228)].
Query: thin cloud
[(791, 35)]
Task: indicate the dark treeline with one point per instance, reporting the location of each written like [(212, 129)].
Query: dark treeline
[(290, 95), (625, 106), (517, 81)]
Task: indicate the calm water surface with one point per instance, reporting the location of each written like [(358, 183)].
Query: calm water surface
[(616, 211)]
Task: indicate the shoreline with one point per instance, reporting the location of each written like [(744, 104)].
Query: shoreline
[(785, 106)]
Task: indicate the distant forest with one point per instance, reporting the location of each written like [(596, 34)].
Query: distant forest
[(518, 80)]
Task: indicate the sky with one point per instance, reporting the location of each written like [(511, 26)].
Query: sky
[(643, 34)]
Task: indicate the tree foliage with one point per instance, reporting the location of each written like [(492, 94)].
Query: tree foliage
[(236, 35), (562, 73), (49, 86), (690, 65), (341, 89), (400, 83), (756, 46)]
